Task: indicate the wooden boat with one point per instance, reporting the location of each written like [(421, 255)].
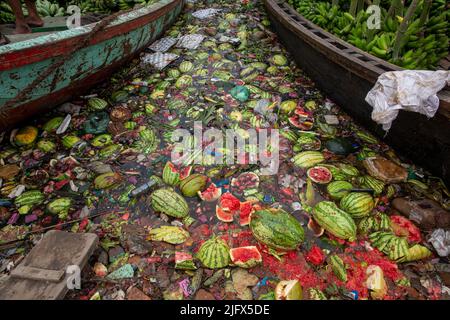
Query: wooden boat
[(75, 59), (347, 74)]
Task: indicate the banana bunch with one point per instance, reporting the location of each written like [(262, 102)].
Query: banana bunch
[(128, 4), (6, 14), (46, 8), (422, 46)]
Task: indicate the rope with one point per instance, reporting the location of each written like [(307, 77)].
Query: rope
[(101, 25)]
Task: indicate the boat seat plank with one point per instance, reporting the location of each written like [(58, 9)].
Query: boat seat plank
[(42, 273), (23, 272)]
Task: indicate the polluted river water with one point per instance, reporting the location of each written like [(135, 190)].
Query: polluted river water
[(331, 222)]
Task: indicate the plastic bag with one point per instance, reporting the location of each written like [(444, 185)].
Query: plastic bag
[(408, 90), (440, 239)]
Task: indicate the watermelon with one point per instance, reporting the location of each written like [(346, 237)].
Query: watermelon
[(371, 183), (96, 104), (338, 267), (338, 189), (53, 124), (46, 145), (214, 253), (224, 215), (193, 184), (308, 159), (334, 220), (26, 136), (279, 60), (229, 202), (107, 180), (245, 211), (245, 257), (403, 227), (212, 193), (416, 252), (277, 229), (172, 176), (186, 66), (167, 201), (358, 204), (340, 146), (301, 119), (288, 106), (184, 261), (319, 174)]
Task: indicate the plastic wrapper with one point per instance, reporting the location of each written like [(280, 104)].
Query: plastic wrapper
[(406, 90)]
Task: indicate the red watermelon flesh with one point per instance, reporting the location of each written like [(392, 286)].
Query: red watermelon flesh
[(245, 257), (185, 172), (320, 174), (403, 227), (246, 210), (224, 215), (212, 193), (229, 202)]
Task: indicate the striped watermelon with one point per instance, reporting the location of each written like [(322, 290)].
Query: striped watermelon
[(277, 229), (214, 253), (172, 176), (338, 267), (97, 104), (186, 66), (338, 189), (167, 201), (289, 134), (308, 159), (371, 183), (192, 184), (173, 73), (358, 204), (183, 81), (334, 220)]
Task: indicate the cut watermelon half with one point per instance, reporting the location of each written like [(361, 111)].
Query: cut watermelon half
[(245, 257), (210, 194), (319, 174), (224, 215)]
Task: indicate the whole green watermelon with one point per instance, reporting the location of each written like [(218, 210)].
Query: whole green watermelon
[(277, 229)]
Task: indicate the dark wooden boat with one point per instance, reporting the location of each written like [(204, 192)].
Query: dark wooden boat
[(347, 74), (74, 60)]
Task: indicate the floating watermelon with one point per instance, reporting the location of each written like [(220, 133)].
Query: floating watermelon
[(229, 202), (302, 119), (224, 215), (320, 174), (212, 193), (245, 257)]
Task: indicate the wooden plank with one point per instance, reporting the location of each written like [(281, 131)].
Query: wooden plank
[(23, 272), (56, 251)]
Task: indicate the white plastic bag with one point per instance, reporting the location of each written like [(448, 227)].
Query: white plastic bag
[(408, 90)]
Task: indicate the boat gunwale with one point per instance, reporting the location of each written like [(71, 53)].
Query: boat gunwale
[(21, 53), (348, 59)]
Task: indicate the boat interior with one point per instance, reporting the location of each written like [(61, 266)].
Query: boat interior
[(51, 25)]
